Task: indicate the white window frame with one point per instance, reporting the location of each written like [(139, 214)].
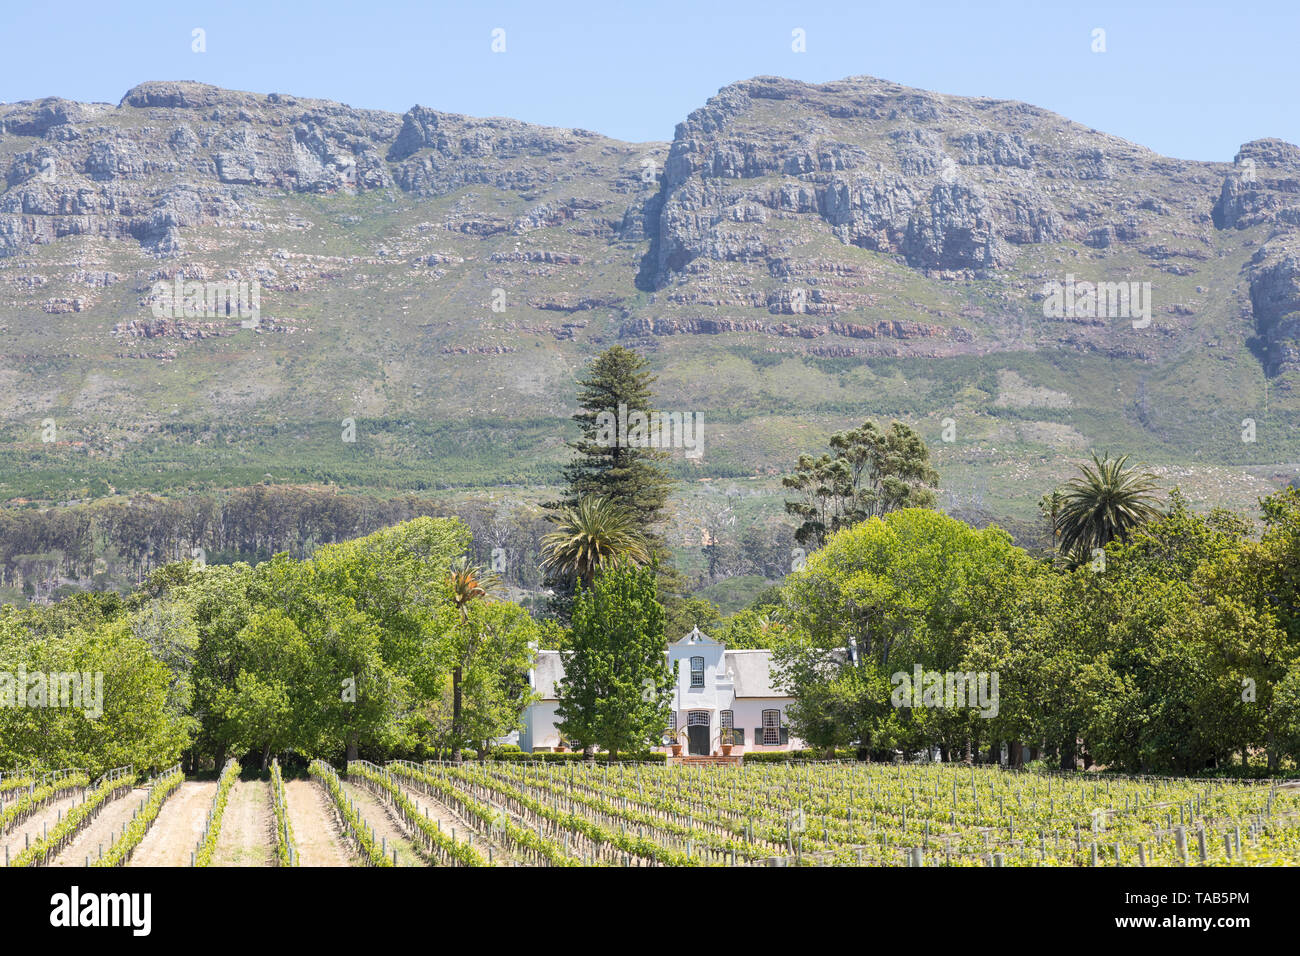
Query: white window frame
[(771, 728), (697, 675)]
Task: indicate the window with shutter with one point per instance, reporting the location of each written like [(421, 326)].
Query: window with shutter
[(771, 727)]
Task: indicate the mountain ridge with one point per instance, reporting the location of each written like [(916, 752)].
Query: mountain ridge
[(797, 253)]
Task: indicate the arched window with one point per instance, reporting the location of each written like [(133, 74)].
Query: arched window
[(697, 671)]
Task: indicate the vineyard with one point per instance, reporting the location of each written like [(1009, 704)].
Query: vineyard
[(524, 813)]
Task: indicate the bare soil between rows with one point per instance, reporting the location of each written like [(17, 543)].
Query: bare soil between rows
[(176, 831), (101, 832), (316, 831), (15, 840), (247, 835)]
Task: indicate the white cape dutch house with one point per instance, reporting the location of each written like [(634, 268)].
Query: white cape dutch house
[(721, 696)]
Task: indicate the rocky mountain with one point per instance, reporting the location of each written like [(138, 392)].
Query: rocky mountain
[(797, 258)]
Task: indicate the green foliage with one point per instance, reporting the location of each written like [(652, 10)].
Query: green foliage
[(357, 828), (631, 478), (1173, 654), (130, 710), (444, 845), (286, 853), (590, 536), (490, 648), (1107, 501), (212, 832), (70, 823), (752, 629), (37, 794), (616, 681), (868, 473), (352, 648), (691, 613)]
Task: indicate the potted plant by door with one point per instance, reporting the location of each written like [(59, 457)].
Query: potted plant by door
[(726, 743), (677, 742)]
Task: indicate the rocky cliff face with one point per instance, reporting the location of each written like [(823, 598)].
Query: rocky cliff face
[(949, 184), (1264, 190), (177, 155), (846, 221)]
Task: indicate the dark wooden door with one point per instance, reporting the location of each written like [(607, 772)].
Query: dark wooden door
[(699, 740)]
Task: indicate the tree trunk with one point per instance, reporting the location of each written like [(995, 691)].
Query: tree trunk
[(353, 753), (220, 757), (455, 714), (266, 756), (1067, 755)]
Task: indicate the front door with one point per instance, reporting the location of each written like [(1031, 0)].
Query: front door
[(697, 731)]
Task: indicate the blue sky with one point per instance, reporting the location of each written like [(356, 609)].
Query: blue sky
[(1191, 79)]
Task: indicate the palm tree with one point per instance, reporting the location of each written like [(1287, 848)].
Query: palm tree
[(594, 534), (1107, 501), (469, 583)]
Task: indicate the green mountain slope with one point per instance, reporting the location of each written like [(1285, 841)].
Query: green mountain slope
[(798, 259)]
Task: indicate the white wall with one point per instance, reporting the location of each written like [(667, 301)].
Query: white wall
[(717, 694), (539, 731), (749, 715)]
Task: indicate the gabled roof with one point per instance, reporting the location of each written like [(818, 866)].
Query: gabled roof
[(696, 636), (752, 671)]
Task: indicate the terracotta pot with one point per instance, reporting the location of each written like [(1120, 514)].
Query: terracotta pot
[(561, 749), (726, 750), (677, 750)]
